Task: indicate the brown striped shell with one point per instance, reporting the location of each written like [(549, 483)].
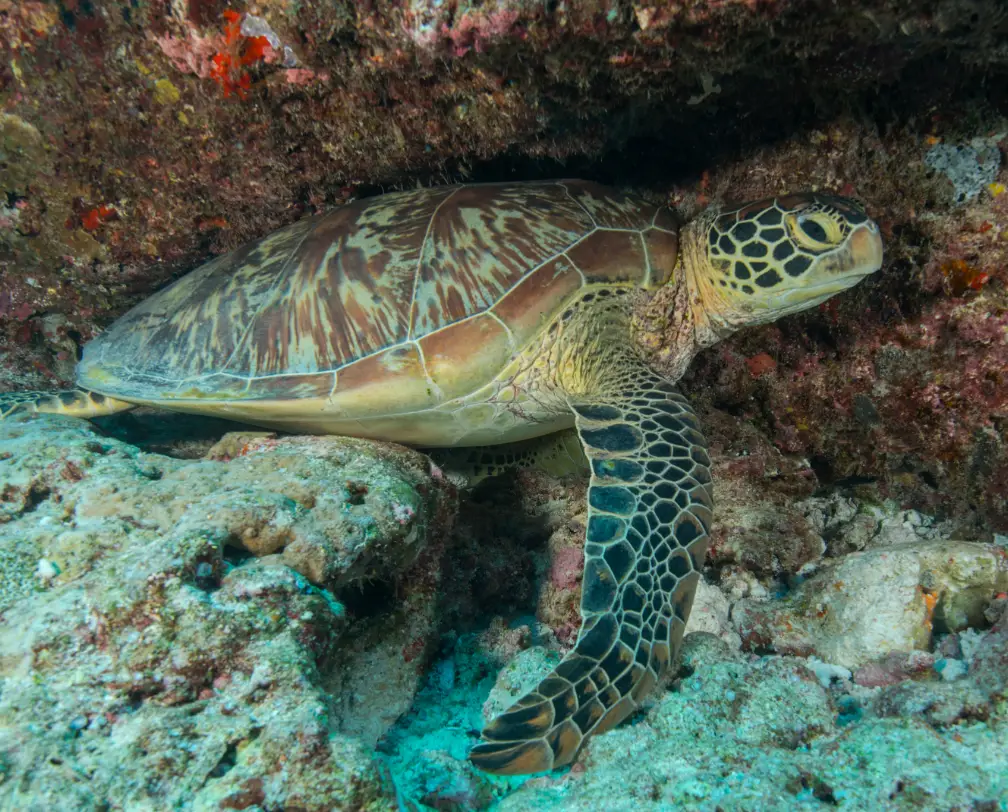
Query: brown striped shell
[(431, 291)]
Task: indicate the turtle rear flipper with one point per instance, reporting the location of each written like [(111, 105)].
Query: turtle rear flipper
[(558, 454), (71, 402)]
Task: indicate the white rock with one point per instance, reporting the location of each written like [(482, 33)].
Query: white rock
[(710, 614), (827, 672), (951, 670), (46, 570), (876, 601)]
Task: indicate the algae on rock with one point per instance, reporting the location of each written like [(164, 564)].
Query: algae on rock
[(172, 653)]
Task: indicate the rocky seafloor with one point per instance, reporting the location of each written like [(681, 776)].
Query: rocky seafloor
[(191, 619), (302, 623)]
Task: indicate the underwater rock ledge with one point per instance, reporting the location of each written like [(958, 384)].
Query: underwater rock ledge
[(169, 628), (170, 634)]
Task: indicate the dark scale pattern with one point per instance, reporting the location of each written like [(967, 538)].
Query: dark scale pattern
[(763, 241), (647, 537)]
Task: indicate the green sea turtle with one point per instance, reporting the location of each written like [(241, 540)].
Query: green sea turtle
[(482, 314)]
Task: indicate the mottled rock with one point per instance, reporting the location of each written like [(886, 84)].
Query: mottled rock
[(764, 538), (894, 668), (710, 614), (871, 603), (385, 658), (977, 690), (969, 168), (335, 509), (766, 735), (521, 674), (156, 655)]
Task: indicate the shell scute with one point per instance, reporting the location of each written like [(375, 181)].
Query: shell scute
[(483, 241), (466, 355), (386, 305), (662, 247), (350, 290), (299, 387), (192, 328), (529, 306), (610, 208), (611, 256), (366, 383)]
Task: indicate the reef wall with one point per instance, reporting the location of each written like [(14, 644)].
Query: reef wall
[(139, 139)]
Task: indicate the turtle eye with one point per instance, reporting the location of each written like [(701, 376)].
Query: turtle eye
[(814, 230)]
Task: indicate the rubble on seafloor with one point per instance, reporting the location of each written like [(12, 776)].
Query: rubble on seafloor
[(266, 625)]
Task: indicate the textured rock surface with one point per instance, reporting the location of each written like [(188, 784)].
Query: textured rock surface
[(766, 734), (852, 720), (872, 603), (170, 627), (138, 141), (152, 652), (739, 732)]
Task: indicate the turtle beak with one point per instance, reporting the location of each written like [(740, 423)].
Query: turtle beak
[(866, 249)]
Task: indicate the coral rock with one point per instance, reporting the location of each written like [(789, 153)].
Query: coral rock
[(871, 603)]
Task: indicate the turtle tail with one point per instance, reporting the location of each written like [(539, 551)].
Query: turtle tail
[(71, 402)]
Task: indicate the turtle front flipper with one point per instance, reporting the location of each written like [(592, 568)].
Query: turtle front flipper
[(71, 402), (650, 508)]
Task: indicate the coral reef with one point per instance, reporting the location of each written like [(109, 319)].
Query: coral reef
[(171, 628), (871, 676), (739, 731), (265, 625), (248, 621), (765, 733)]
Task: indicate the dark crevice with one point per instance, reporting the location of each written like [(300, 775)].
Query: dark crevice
[(823, 469), (236, 556), (35, 495), (227, 761), (368, 598), (853, 481)]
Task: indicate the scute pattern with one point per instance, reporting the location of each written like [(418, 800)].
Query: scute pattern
[(650, 505), (610, 208), (348, 292), (384, 272), (195, 326), (476, 252)]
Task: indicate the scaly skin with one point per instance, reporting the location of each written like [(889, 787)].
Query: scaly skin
[(72, 402), (650, 504)]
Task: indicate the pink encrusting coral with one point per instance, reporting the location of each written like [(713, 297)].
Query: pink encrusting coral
[(567, 567)]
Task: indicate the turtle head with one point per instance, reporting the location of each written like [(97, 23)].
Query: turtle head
[(764, 260)]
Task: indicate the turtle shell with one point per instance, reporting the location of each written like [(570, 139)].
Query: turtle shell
[(391, 304)]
